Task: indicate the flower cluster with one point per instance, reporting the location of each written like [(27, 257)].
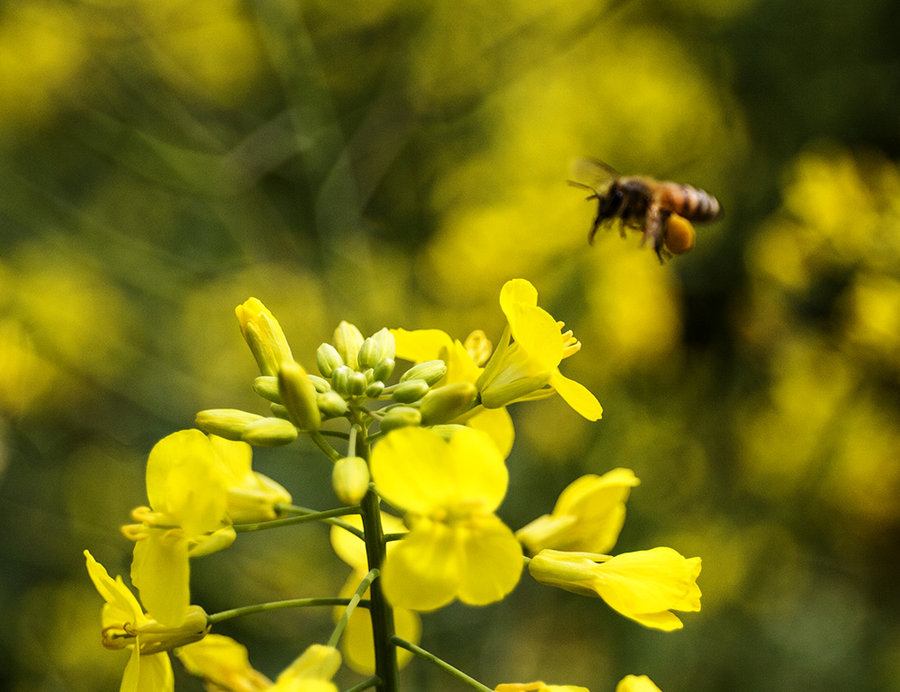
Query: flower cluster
[(430, 443)]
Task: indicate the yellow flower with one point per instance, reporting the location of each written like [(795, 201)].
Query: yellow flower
[(464, 364), (356, 642), (250, 495), (588, 515), (263, 335), (126, 626), (456, 547), (636, 683), (537, 686), (311, 672), (644, 586), (528, 368), (223, 663)]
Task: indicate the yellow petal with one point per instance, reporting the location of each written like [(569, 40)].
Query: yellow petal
[(161, 572), (492, 564), (497, 423), (577, 396), (351, 549), (537, 333), (118, 596), (636, 683), (421, 345), (423, 571), (151, 673), (517, 291)]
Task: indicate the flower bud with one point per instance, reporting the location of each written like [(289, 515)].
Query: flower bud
[(386, 341), (357, 383), (299, 396), (328, 359), (384, 369), (374, 390), (400, 417), (431, 371), (410, 391), (348, 340), (225, 422), (350, 479), (331, 404), (445, 403), (320, 383), (369, 353), (269, 432), (267, 387), (340, 379), (263, 335)]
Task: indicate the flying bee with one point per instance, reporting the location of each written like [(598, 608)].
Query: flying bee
[(661, 210)]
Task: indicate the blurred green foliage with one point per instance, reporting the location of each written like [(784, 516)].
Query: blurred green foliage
[(392, 163)]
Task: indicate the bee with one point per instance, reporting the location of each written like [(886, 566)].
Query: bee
[(660, 209)]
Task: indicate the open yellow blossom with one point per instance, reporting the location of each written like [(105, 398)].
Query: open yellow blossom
[(528, 367), (588, 515), (263, 335), (636, 683), (223, 663), (537, 686), (125, 625), (356, 642), (644, 585), (464, 364), (449, 488)]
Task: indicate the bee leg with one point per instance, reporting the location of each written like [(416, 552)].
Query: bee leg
[(653, 229)]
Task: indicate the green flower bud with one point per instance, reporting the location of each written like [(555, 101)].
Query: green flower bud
[(386, 341), (443, 404), (431, 371), (384, 369), (348, 340), (409, 391), (369, 353), (357, 383), (400, 417), (225, 422), (299, 396), (374, 390), (267, 387), (328, 359), (331, 404), (340, 379), (320, 383), (269, 432), (350, 479), (279, 411)]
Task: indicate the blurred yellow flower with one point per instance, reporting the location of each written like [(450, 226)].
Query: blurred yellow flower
[(223, 663), (644, 586), (457, 547), (311, 671), (126, 626), (588, 515), (537, 686), (525, 368), (636, 683)]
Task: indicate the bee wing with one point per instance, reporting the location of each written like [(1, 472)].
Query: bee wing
[(592, 173)]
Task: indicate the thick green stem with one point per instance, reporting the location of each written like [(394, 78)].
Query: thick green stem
[(382, 614)]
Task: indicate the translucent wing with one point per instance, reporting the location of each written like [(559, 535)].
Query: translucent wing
[(592, 174)]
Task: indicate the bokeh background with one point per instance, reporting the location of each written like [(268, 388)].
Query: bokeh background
[(392, 163)]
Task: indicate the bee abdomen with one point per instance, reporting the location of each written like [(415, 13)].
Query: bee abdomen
[(689, 202)]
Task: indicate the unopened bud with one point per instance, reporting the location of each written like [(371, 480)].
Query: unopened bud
[(299, 396), (400, 417), (445, 403), (374, 390), (263, 335), (328, 359), (340, 379), (348, 340), (431, 371), (369, 353), (410, 391), (267, 387), (384, 369), (350, 479), (269, 432), (386, 341), (357, 383), (320, 383), (225, 422), (331, 404)]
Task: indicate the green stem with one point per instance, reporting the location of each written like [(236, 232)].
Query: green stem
[(440, 663), (382, 614), (322, 444), (221, 616), (351, 606), (305, 515), (374, 681)]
